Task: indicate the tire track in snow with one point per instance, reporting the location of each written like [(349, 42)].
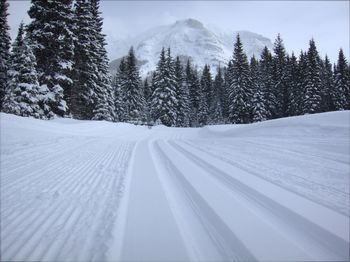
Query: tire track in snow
[(227, 244), (319, 239)]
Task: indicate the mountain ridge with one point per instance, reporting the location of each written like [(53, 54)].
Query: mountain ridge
[(188, 38)]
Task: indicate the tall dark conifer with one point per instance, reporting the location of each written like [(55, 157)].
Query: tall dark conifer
[(85, 68), (193, 83), (279, 78), (215, 109), (23, 95), (104, 100), (119, 92), (341, 92), (267, 82), (205, 96), (240, 90), (134, 97), (52, 37), (5, 43), (164, 102), (182, 95), (312, 96), (327, 86), (258, 103)]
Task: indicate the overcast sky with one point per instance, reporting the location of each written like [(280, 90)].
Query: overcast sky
[(297, 22)]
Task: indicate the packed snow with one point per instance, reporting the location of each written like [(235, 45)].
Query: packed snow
[(99, 191)]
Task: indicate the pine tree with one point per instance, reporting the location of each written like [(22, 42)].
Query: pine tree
[(50, 31), (294, 92), (327, 86), (206, 96), (23, 95), (182, 96), (312, 96), (279, 78), (104, 100), (119, 92), (134, 97), (267, 83), (240, 90), (225, 96), (5, 43), (259, 111), (192, 81), (164, 102), (341, 83), (215, 110), (85, 68)]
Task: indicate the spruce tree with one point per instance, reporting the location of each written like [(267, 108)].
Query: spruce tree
[(205, 96), (119, 92), (293, 92), (5, 43), (134, 97), (52, 36), (240, 90), (164, 102), (104, 100), (192, 81), (327, 86), (85, 68), (267, 83), (23, 96), (225, 96), (182, 96), (279, 78), (341, 83), (259, 111), (312, 96), (215, 110)]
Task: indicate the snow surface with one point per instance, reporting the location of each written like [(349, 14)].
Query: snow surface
[(87, 190)]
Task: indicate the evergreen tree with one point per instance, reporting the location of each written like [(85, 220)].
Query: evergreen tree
[(259, 111), (225, 96), (294, 92), (341, 83), (182, 95), (23, 95), (119, 92), (85, 69), (312, 96), (279, 78), (104, 100), (327, 86), (267, 83), (134, 97), (205, 96), (164, 102), (240, 90), (215, 110), (50, 31), (4, 49), (192, 81)]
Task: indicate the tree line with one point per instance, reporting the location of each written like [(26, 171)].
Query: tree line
[(58, 66)]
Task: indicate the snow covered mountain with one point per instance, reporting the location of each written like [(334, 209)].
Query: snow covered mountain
[(190, 39)]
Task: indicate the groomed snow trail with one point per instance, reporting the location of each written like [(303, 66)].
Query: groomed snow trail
[(96, 191)]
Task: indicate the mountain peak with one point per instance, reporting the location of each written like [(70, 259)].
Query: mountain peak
[(190, 22)]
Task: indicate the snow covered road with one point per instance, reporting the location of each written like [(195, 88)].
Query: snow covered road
[(96, 191)]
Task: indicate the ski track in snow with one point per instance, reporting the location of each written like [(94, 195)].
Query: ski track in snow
[(104, 192), (62, 206)]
